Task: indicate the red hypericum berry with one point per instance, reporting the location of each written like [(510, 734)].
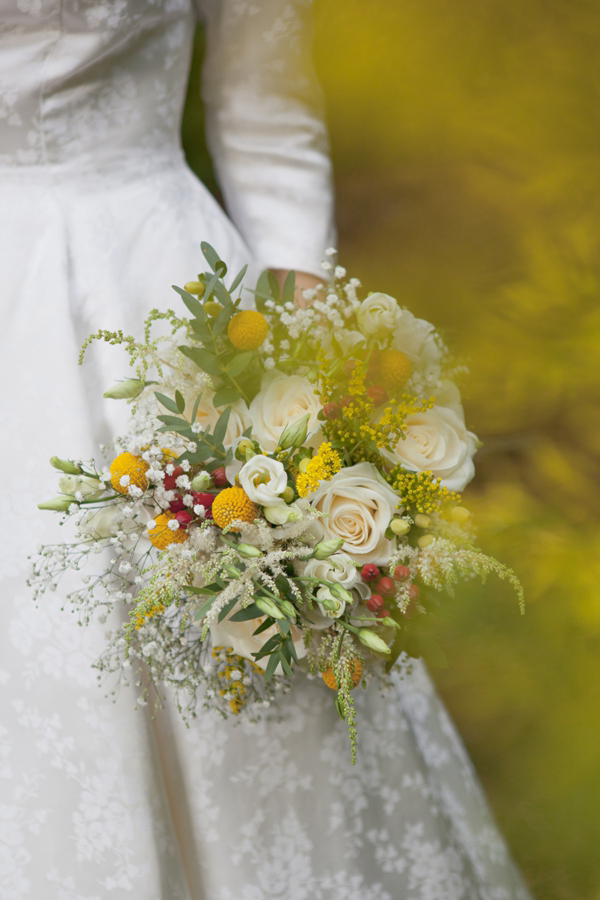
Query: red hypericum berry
[(170, 482), (184, 518), (382, 613), (219, 477), (331, 410), (203, 499), (377, 394), (347, 400), (370, 572), (401, 572), (413, 592), (386, 588), (375, 603), (349, 367), (177, 505)]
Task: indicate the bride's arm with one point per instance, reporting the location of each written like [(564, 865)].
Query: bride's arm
[(266, 132)]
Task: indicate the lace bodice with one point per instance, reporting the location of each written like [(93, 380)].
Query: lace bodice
[(89, 87)]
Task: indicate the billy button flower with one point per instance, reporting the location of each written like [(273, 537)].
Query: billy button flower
[(391, 369), (247, 329), (165, 533), (232, 505), (356, 674), (128, 469)]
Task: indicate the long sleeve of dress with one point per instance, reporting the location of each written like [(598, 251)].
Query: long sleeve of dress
[(265, 128)]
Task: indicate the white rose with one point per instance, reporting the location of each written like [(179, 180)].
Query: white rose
[(282, 400), (264, 479), (346, 338), (208, 415), (239, 636), (378, 314), (437, 441), (359, 505), (417, 340)]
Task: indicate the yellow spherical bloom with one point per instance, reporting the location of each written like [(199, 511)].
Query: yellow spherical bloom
[(394, 369), (134, 467), (232, 505), (161, 535), (331, 681), (247, 329)]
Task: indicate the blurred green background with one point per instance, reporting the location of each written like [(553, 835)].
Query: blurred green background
[(466, 145)]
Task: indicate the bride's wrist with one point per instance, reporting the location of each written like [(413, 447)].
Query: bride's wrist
[(304, 281)]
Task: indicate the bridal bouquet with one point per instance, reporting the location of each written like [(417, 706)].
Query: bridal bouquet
[(286, 501)]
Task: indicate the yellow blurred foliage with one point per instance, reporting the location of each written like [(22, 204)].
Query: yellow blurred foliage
[(466, 147)]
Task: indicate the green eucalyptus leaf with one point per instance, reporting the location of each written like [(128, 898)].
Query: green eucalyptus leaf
[(249, 612), (166, 402), (227, 609), (271, 667), (203, 359), (239, 363), (226, 395), (194, 306), (210, 255), (221, 426), (180, 401), (237, 280), (289, 288)]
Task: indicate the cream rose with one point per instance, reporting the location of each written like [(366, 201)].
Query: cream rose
[(208, 415), (264, 479), (239, 636), (437, 441), (283, 399), (359, 505), (378, 315), (416, 339)]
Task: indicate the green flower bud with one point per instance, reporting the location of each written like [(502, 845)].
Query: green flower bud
[(245, 450), (232, 571), (460, 515), (295, 433), (125, 390), (212, 308), (269, 608), (58, 504), (422, 521), (399, 527), (426, 541), (194, 287), (248, 551), (201, 482), (390, 623), (325, 549), (288, 608), (65, 465), (372, 641), (312, 376), (338, 591), (288, 495)]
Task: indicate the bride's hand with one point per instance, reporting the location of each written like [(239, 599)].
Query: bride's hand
[(304, 280)]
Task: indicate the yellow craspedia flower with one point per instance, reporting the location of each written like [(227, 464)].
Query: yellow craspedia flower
[(231, 505), (134, 467), (247, 329), (394, 369), (161, 535), (331, 681)]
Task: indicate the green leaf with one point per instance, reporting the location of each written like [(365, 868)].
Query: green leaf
[(225, 396), (264, 625), (201, 331), (213, 588), (221, 322), (239, 363), (210, 255), (263, 291), (196, 405), (289, 288), (221, 426), (210, 287), (271, 666), (291, 649), (174, 422), (203, 359), (284, 626), (268, 647), (227, 609), (249, 612), (194, 306), (179, 400), (237, 280), (274, 287), (167, 402), (286, 666), (205, 608)]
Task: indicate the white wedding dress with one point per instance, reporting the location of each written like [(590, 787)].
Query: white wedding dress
[(98, 216)]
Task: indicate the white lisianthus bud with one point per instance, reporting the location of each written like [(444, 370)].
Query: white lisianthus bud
[(58, 504), (341, 593), (325, 549), (330, 605), (281, 515), (372, 641), (128, 389), (390, 623), (232, 571), (65, 465), (201, 482), (248, 551), (295, 433), (87, 485), (269, 608)]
